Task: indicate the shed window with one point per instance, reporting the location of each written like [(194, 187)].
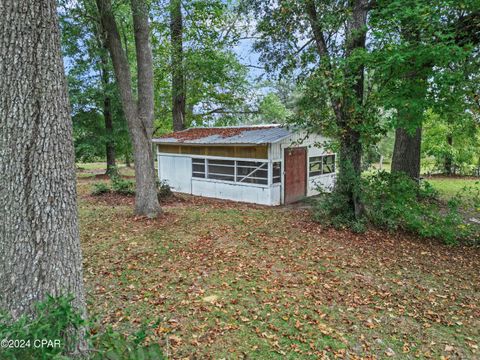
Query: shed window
[(328, 164), (315, 166), (252, 172), (277, 167), (321, 165), (221, 170), (198, 168)]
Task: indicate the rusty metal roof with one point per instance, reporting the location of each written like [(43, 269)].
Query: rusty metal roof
[(259, 134)]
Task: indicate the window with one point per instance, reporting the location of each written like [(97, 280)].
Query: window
[(252, 172), (198, 168), (328, 164), (321, 165), (277, 168), (221, 170), (315, 166)]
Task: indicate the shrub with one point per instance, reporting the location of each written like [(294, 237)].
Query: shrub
[(334, 208), (394, 201), (122, 186), (163, 190), (100, 188), (53, 319)]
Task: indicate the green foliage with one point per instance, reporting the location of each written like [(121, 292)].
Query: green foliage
[(100, 188), (111, 345), (394, 201), (273, 110), (123, 186), (215, 79), (53, 319), (56, 319), (463, 150), (90, 83), (163, 190), (335, 209)]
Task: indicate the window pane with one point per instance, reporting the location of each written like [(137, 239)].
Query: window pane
[(198, 168), (255, 172), (252, 180), (315, 166), (221, 177), (221, 162), (251, 163), (218, 169), (328, 164), (221, 170), (252, 172), (277, 167)]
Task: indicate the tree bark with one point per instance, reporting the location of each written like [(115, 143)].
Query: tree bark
[(127, 159), (407, 152), (107, 114), (350, 170), (139, 113), (448, 157), (178, 78), (39, 239)]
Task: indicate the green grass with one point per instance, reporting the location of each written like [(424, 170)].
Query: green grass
[(448, 187)]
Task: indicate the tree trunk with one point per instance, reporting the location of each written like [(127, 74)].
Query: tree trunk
[(448, 157), (127, 159), (349, 174), (39, 240), (107, 115), (350, 170), (110, 144), (351, 150), (178, 78), (139, 113), (406, 152)]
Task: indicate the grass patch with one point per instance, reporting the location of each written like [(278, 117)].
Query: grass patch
[(448, 187)]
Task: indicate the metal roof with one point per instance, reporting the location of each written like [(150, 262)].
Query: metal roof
[(260, 134)]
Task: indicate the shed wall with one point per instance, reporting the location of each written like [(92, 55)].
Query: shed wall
[(177, 171)]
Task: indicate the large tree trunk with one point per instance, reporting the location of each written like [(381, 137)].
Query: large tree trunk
[(39, 240), (139, 113), (407, 152), (178, 78)]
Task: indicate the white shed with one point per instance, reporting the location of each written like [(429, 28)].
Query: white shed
[(264, 164)]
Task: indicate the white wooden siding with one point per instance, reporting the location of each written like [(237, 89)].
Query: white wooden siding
[(176, 171)]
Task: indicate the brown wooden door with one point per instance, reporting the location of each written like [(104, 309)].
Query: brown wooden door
[(295, 174)]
